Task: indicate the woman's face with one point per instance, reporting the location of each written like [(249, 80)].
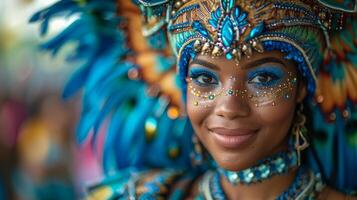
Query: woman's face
[(242, 112)]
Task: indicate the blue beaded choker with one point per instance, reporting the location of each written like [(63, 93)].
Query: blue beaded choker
[(305, 186), (279, 163)]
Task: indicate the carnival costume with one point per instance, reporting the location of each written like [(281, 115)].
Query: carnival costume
[(131, 88)]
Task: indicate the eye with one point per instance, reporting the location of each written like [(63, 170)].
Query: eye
[(264, 79), (203, 78)]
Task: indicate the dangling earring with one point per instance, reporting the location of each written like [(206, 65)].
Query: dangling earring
[(197, 153), (299, 131)]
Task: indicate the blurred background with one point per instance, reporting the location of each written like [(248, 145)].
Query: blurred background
[(38, 156)]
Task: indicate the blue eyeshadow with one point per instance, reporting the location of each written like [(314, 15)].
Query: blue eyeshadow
[(201, 71), (276, 73), (196, 72)]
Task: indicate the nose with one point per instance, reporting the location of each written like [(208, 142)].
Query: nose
[(231, 107)]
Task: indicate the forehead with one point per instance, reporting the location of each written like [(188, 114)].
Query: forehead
[(257, 59)]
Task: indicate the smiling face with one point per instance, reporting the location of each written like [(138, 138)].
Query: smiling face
[(242, 113)]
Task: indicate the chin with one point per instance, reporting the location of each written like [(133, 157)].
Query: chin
[(234, 161)]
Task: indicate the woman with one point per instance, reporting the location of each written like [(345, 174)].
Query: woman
[(246, 69)]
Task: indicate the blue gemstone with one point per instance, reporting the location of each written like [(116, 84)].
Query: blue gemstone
[(242, 17), (248, 175), (236, 12), (229, 56), (216, 14), (213, 23), (233, 177), (231, 4), (227, 32), (264, 171), (197, 26), (280, 165), (227, 4), (257, 30)]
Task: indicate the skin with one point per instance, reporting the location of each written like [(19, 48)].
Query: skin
[(267, 125), (270, 124)]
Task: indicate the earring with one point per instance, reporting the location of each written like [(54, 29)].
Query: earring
[(299, 132), (197, 153)]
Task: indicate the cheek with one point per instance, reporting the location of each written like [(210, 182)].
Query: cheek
[(196, 112), (276, 121), (277, 115)]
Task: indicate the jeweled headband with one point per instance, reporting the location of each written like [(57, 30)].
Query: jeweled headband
[(237, 28)]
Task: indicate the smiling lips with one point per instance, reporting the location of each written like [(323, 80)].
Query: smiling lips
[(232, 138)]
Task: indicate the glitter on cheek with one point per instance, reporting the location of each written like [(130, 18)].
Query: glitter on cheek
[(271, 96)]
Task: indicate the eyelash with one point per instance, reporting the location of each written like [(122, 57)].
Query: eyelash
[(195, 74), (275, 78)]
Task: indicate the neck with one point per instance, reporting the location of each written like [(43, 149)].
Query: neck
[(259, 190), (278, 170)]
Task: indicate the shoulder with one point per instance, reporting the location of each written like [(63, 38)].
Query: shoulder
[(331, 194), (149, 184)]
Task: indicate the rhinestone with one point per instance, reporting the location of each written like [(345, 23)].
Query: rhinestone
[(280, 165), (287, 96), (206, 47), (248, 175), (233, 177), (264, 171), (230, 92), (229, 56), (178, 4), (216, 51), (197, 46)]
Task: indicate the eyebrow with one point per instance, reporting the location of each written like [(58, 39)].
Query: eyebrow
[(263, 61), (205, 64)]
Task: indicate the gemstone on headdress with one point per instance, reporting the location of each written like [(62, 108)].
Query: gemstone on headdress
[(258, 46), (229, 56), (214, 18), (206, 47), (257, 30), (247, 49), (227, 5), (216, 51), (197, 46), (237, 53), (227, 32), (197, 26), (241, 18)]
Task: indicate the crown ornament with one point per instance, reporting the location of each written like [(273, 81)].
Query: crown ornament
[(230, 23)]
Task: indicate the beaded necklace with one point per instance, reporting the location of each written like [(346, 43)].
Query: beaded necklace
[(306, 184), (279, 163)]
